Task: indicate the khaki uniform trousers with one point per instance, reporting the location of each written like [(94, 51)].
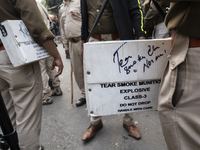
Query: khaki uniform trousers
[(127, 118), (179, 97), (45, 65), (21, 89), (77, 65)]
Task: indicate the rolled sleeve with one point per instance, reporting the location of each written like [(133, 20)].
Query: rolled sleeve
[(45, 35)]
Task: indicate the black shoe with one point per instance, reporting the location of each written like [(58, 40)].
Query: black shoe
[(80, 102), (41, 147)]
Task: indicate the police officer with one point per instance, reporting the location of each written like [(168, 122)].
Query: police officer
[(45, 66), (179, 97), (21, 87), (118, 20), (70, 26)]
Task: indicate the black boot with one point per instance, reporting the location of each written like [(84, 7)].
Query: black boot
[(80, 102)]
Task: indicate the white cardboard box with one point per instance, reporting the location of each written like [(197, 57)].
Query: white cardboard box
[(124, 76), (19, 45)]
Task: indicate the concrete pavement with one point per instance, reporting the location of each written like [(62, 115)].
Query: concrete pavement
[(63, 124)]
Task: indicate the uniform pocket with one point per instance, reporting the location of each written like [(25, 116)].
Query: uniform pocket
[(75, 15), (180, 84)]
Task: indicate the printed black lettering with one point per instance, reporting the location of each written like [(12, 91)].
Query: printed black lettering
[(149, 82), (123, 110), (146, 108), (144, 103), (132, 104), (107, 85), (123, 105), (127, 84), (133, 97), (139, 108)]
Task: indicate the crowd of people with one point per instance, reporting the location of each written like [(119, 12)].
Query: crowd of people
[(179, 101)]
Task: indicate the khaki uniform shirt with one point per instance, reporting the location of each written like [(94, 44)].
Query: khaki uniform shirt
[(183, 17), (27, 11), (70, 21), (44, 14), (106, 24), (152, 16)]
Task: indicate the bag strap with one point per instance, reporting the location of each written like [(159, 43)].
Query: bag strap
[(98, 17), (13, 2), (162, 14)]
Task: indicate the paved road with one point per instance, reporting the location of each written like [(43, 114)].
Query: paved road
[(63, 124)]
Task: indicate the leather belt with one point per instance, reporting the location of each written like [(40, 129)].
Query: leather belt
[(194, 42), (2, 47), (75, 40), (98, 36)]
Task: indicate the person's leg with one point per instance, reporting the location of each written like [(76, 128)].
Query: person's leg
[(129, 125), (95, 125), (8, 101), (28, 106), (47, 99), (24, 86), (179, 114), (4, 86), (179, 97), (55, 80), (128, 119), (77, 65), (95, 120)]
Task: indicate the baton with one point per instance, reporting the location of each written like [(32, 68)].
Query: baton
[(54, 7), (72, 85), (98, 17)]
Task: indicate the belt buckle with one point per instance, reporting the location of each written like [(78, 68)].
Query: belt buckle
[(74, 40)]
